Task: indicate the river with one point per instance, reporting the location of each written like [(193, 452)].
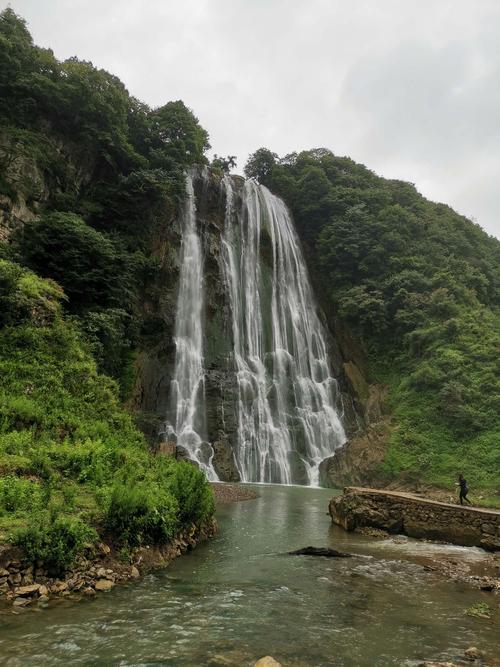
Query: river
[(241, 596)]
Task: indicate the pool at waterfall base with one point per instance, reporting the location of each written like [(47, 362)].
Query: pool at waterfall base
[(241, 596)]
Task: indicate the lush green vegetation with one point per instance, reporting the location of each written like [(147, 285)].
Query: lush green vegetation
[(101, 171), (103, 174), (70, 456), (420, 285)]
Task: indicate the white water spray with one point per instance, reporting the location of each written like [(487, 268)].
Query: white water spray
[(187, 391), (287, 417)]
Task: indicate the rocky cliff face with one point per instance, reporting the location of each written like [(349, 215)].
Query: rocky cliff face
[(26, 181), (155, 366)]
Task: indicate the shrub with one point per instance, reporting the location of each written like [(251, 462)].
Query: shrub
[(18, 494), (193, 493), (55, 541), (141, 513)]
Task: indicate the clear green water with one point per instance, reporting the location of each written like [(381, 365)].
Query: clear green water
[(240, 597)]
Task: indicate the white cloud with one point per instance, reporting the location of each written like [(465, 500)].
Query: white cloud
[(408, 88)]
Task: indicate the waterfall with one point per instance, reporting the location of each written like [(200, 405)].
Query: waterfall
[(187, 390), (287, 417), (286, 396)]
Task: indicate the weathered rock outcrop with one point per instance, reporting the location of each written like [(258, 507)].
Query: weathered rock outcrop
[(416, 517), (358, 460)]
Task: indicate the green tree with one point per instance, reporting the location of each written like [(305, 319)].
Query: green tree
[(89, 266), (177, 137)]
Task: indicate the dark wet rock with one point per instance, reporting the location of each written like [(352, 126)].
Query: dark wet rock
[(223, 461), (319, 551), (182, 454)]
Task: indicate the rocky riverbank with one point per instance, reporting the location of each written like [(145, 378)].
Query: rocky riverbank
[(99, 569), (384, 514)]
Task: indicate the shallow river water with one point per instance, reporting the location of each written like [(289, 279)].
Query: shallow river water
[(240, 597)]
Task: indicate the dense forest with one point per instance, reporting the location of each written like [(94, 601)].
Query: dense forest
[(420, 286), (88, 175), (99, 169)]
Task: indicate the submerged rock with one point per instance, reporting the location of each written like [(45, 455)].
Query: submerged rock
[(319, 551), (472, 653)]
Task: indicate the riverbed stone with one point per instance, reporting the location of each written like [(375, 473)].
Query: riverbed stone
[(267, 661), (27, 590), (21, 602), (472, 653), (103, 585)]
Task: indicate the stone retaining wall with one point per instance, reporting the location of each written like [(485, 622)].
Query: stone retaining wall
[(416, 517)]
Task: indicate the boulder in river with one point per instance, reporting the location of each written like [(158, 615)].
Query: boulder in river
[(319, 551)]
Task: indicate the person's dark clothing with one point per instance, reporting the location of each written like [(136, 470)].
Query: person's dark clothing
[(463, 491)]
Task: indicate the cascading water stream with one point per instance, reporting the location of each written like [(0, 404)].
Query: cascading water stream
[(286, 397), (187, 391), (288, 421)]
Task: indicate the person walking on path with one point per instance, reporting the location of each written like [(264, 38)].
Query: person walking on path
[(462, 482)]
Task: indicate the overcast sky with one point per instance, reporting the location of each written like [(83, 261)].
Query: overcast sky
[(411, 88)]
